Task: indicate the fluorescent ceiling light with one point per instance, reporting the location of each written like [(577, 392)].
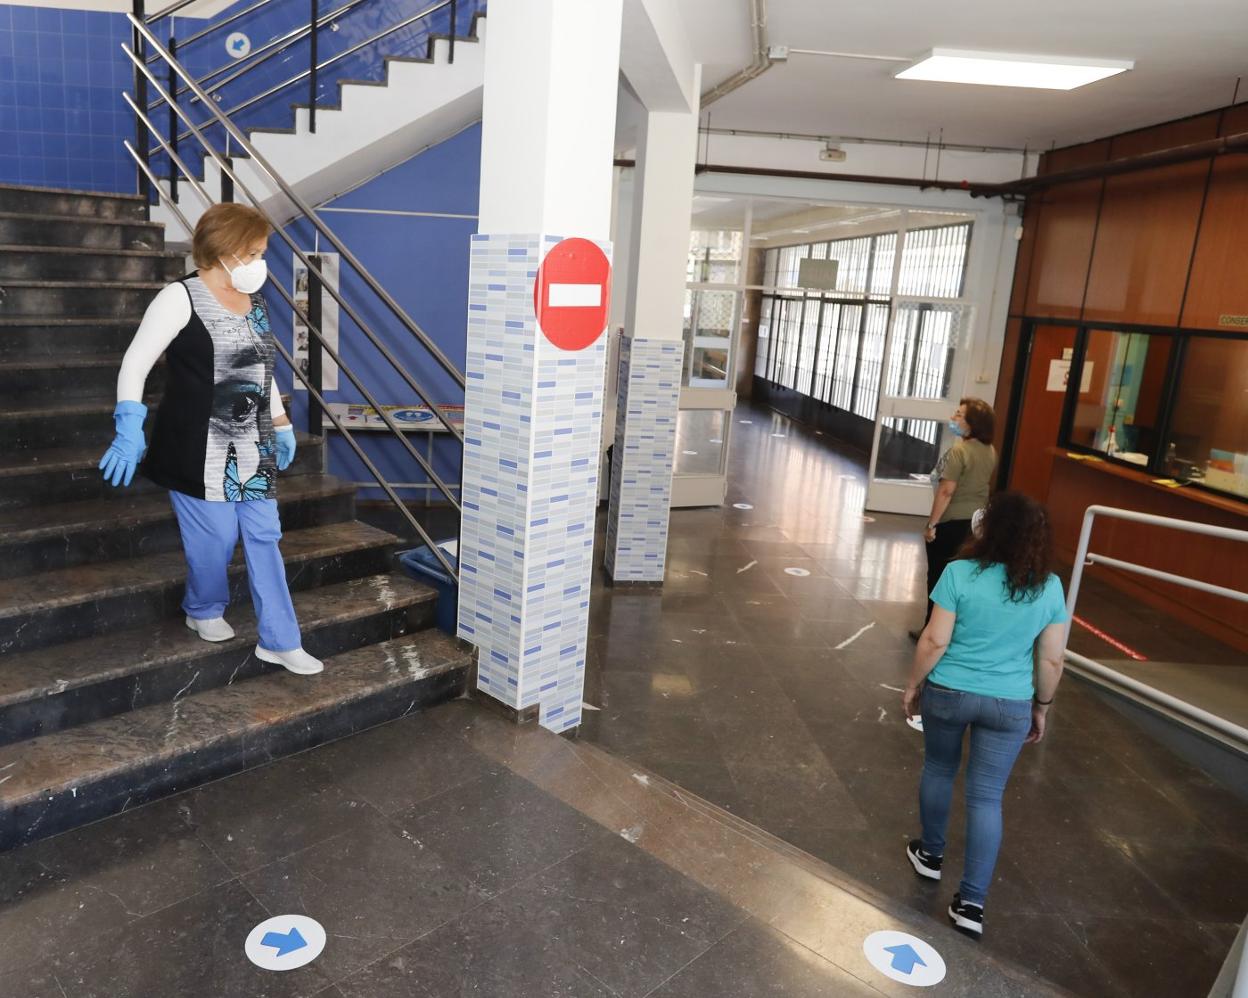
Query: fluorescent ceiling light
[(1000, 69)]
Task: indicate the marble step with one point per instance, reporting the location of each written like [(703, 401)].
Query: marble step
[(53, 536), (28, 381), (71, 262), (62, 686), (80, 204), (89, 600), (69, 474), (47, 423), (27, 297), (59, 337), (71, 777), (23, 229)]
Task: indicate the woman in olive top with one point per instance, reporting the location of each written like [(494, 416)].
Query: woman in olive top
[(989, 660), (961, 479)]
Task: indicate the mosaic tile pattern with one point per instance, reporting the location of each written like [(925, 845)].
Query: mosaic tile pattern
[(532, 422), (642, 460)]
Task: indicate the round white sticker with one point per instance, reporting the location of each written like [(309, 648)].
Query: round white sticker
[(741, 505), (285, 942), (238, 45), (905, 958), (801, 573)]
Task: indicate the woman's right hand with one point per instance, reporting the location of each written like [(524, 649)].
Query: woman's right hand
[(1039, 716)]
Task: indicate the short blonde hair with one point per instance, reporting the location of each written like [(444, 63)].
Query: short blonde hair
[(224, 230)]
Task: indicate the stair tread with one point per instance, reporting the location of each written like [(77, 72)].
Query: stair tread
[(78, 407), (40, 321), (73, 192), (93, 284), (32, 522), (83, 219), (31, 675), (90, 251), (89, 753), (64, 587), (42, 363), (15, 463)]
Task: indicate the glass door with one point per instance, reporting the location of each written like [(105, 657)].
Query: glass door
[(922, 368)]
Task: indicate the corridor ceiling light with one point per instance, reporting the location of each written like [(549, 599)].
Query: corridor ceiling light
[(1001, 69)]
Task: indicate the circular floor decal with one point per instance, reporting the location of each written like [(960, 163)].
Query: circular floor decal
[(741, 505), (868, 519), (905, 958), (285, 942), (915, 722), (801, 573)]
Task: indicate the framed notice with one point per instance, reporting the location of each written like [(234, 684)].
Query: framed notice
[(1059, 376), (329, 320)]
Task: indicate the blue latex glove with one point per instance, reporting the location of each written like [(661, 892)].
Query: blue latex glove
[(285, 446), (122, 458)]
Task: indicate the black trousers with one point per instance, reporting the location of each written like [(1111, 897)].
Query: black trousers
[(950, 536)]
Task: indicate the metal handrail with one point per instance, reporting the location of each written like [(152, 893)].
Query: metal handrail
[(306, 210), (201, 96), (215, 26), (1083, 558), (280, 231), (257, 56), (315, 329)]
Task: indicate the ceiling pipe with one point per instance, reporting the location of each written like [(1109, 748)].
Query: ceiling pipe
[(762, 60), (986, 190)]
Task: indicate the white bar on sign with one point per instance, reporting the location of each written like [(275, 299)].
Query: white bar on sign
[(574, 296)]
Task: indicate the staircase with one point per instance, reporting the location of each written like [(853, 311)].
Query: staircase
[(376, 124), (106, 699)]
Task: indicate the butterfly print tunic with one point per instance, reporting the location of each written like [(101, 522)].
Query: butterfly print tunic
[(213, 434)]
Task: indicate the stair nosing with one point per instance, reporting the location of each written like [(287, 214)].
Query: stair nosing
[(57, 285), (71, 191), (101, 768), (76, 360), (417, 594), (84, 219), (54, 322), (77, 597), (90, 251)]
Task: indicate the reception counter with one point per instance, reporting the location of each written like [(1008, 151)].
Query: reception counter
[(1079, 482)]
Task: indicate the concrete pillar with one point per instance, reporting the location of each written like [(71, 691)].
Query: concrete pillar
[(652, 351), (534, 398)]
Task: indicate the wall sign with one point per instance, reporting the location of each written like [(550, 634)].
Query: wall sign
[(1059, 376), (1233, 320), (329, 320), (571, 294), (238, 45)]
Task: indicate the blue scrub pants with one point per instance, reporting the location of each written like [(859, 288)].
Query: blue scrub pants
[(209, 534), (998, 729)]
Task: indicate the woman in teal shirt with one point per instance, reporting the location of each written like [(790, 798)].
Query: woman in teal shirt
[(989, 659)]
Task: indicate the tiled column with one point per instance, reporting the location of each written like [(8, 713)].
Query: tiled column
[(533, 409), (641, 461), (652, 351), (533, 418)]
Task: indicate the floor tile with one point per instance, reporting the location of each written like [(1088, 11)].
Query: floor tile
[(1153, 956)]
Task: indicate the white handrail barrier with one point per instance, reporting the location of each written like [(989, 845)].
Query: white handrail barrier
[(1083, 558)]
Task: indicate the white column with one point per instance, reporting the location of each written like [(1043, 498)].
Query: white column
[(534, 398), (652, 352)]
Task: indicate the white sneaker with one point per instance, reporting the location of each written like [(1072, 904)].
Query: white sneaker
[(297, 661), (214, 629)]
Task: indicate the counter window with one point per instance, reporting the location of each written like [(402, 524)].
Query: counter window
[(1208, 438)]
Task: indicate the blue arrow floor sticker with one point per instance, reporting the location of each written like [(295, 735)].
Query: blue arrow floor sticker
[(285, 942), (905, 958)]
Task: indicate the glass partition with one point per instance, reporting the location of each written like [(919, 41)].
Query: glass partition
[(1208, 437)]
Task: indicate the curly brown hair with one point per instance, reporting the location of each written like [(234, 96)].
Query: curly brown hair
[(1015, 534), (980, 418)]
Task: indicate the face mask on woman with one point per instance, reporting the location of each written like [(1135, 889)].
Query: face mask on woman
[(248, 278), (956, 429)]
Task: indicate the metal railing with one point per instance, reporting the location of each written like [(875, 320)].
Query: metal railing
[(237, 69), (145, 38), (1084, 558)]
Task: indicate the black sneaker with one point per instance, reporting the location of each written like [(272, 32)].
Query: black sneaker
[(924, 863), (967, 917)]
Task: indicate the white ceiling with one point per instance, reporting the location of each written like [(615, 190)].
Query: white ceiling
[(1187, 57)]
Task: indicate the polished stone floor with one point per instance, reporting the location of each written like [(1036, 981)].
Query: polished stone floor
[(447, 854), (776, 696)]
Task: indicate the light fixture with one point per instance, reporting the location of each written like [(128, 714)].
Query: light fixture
[(1001, 69)]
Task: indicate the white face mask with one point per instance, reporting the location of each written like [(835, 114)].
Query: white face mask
[(248, 277)]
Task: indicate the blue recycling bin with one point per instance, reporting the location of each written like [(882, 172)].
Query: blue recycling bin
[(421, 564)]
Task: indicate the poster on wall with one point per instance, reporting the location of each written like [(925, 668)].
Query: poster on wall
[(1059, 375), (329, 320)]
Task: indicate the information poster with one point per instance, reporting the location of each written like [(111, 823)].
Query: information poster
[(329, 320)]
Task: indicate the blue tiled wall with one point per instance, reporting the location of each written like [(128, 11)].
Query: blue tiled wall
[(62, 119), (422, 261)]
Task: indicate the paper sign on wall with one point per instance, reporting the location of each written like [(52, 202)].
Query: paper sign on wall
[(329, 320), (1059, 376)]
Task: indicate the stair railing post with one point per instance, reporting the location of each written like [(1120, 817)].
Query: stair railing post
[(140, 95), (312, 60), (173, 117), (315, 425), (451, 57)]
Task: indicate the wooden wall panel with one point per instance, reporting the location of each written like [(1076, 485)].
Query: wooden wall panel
[(1173, 133), (1026, 253), (1063, 248), (1032, 460), (1219, 281), (1144, 244)]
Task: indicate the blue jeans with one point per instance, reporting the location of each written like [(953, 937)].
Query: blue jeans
[(209, 533), (998, 728)]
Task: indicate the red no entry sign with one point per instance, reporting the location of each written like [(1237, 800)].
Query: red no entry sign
[(572, 293)]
